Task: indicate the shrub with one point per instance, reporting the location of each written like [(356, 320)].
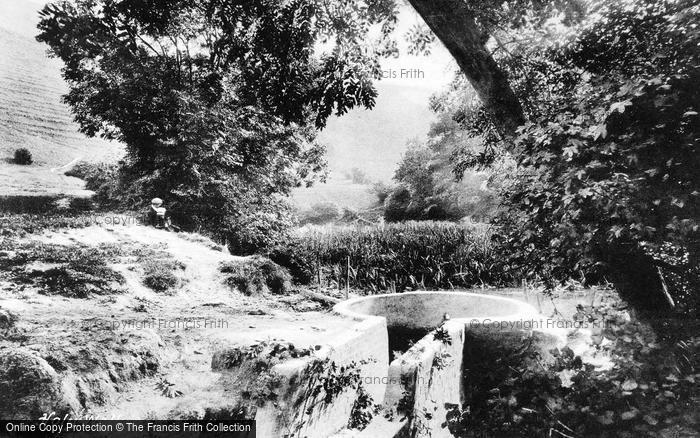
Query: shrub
[(23, 156), (298, 256), (397, 204), (159, 274), (81, 169), (105, 180), (256, 275), (381, 190), (259, 228)]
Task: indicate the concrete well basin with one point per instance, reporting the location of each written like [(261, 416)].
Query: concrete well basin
[(427, 309), (419, 382)]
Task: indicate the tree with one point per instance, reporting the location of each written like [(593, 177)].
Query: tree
[(607, 182), (454, 23), (217, 102), (426, 172)]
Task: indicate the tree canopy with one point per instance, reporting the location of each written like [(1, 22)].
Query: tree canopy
[(217, 102), (606, 182)]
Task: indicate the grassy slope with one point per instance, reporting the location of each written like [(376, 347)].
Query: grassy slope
[(32, 114)]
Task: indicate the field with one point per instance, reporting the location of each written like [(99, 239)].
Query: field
[(32, 114), (395, 257), (340, 192)]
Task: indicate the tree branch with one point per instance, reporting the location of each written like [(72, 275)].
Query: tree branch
[(455, 27)]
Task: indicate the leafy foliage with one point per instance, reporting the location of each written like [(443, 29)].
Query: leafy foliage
[(256, 275), (363, 410), (167, 388), (606, 181), (407, 256), (104, 180), (217, 102), (649, 390), (427, 188), (159, 275)]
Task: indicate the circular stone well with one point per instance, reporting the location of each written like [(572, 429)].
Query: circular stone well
[(427, 309), (424, 335)]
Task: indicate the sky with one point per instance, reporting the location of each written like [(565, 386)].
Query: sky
[(374, 140)]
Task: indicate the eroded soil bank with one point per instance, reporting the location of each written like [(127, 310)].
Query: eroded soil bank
[(126, 350)]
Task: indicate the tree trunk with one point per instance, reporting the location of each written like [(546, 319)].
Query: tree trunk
[(455, 27)]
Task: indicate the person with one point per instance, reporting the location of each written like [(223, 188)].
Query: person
[(158, 216)]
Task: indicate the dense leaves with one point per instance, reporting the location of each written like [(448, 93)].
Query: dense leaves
[(649, 389), (606, 181)]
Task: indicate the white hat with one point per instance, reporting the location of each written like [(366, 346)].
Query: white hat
[(156, 201)]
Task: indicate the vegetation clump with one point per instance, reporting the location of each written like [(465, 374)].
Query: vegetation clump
[(104, 180), (159, 269), (405, 256), (159, 275), (78, 272), (23, 156), (320, 213), (650, 390), (256, 275)]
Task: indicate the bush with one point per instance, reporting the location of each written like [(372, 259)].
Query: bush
[(159, 274), (259, 228), (298, 256), (256, 275), (105, 180), (23, 156), (81, 169), (381, 191), (397, 204)]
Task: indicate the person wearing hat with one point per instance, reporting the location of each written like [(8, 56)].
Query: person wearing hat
[(157, 215)]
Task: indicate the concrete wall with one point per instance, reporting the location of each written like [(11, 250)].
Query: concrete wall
[(366, 341), (417, 382), (425, 378)]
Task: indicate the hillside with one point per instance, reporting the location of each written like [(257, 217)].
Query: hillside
[(32, 114)]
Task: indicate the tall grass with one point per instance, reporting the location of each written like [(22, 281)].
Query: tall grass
[(395, 257)]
